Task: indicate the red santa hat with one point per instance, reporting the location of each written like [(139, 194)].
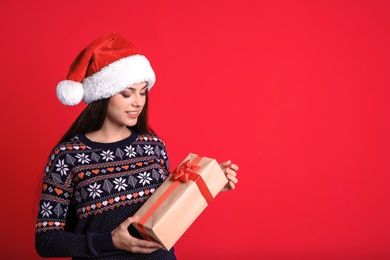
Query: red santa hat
[(107, 66)]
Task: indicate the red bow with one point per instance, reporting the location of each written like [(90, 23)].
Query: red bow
[(187, 172), (184, 171)]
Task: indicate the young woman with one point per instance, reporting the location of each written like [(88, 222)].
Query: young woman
[(108, 163)]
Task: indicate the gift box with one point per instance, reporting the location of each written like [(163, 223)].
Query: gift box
[(180, 199)]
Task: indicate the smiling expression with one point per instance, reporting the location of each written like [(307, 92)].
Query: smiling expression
[(125, 107)]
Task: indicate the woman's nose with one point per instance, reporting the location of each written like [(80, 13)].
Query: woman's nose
[(136, 101)]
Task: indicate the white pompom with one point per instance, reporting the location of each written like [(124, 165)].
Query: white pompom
[(70, 92)]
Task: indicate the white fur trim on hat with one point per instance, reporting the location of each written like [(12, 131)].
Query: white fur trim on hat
[(70, 92), (118, 76)]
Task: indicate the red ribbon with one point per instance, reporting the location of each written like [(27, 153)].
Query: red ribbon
[(185, 172)]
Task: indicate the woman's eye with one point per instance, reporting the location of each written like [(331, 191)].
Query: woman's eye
[(126, 95), (143, 94)]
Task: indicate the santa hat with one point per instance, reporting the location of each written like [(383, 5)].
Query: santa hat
[(107, 66)]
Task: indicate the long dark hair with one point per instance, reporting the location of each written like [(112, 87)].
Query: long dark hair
[(92, 119)]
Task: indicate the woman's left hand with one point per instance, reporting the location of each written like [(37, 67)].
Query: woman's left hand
[(230, 170)]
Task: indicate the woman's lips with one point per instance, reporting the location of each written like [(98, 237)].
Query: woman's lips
[(133, 114)]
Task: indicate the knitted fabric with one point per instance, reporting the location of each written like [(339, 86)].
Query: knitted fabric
[(90, 188)]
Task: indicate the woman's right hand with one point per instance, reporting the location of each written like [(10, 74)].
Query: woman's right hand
[(123, 240)]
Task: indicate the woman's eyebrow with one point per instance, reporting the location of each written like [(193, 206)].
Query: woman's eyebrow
[(133, 89)]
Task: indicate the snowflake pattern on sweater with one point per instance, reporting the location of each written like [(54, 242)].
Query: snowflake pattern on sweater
[(97, 179)]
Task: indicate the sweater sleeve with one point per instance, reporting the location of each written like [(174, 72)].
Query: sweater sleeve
[(165, 160), (55, 236)]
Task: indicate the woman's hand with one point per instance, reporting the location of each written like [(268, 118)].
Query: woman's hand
[(230, 170), (123, 240)]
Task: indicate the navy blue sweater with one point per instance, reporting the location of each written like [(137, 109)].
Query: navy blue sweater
[(90, 188)]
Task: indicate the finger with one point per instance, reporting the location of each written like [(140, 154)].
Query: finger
[(226, 164), (231, 185), (144, 243), (143, 250), (129, 220), (234, 167), (232, 178), (231, 172)]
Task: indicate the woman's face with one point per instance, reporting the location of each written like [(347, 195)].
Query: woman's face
[(125, 107)]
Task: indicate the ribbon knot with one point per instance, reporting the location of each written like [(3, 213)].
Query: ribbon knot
[(184, 172)]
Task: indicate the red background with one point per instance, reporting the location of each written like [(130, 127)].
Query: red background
[(295, 92)]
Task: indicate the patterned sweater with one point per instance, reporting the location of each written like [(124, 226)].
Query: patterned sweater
[(90, 188)]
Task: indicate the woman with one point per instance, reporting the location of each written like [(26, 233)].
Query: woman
[(108, 163)]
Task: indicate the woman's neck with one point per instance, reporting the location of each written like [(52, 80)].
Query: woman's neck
[(109, 134)]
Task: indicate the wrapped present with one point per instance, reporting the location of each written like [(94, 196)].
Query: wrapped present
[(180, 199)]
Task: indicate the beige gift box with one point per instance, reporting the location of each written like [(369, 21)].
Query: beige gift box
[(180, 199)]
